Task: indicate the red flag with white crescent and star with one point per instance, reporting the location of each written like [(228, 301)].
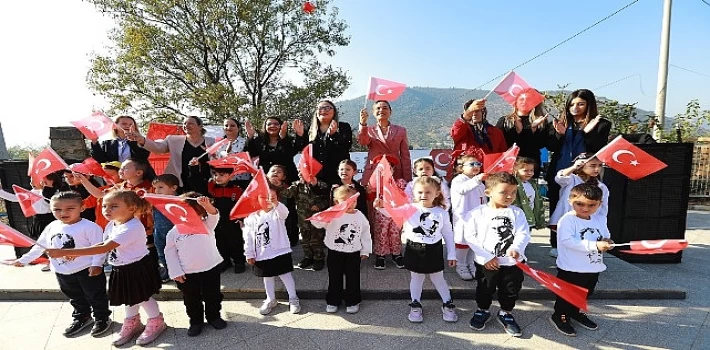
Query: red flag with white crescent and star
[(249, 201), (216, 146), (47, 162), (91, 167), (381, 89), (335, 211), (574, 294), (175, 209), (501, 162), (10, 236), (396, 203), (513, 86), (308, 166), (241, 162), (26, 199), (628, 159), (660, 246), (159, 131), (95, 125)]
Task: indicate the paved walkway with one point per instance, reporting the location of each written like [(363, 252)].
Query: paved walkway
[(382, 324)]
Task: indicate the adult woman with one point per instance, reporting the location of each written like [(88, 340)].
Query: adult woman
[(578, 130), (119, 148), (384, 138), (525, 128), (236, 144), (274, 146), (472, 134), (182, 149), (331, 141)]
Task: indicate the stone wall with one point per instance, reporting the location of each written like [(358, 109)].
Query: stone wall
[(68, 142)]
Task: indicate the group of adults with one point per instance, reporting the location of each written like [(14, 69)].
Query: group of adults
[(578, 129)]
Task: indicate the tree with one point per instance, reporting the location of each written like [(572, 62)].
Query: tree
[(692, 124), (222, 58), (21, 151)]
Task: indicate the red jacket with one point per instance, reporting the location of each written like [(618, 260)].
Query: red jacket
[(465, 142)]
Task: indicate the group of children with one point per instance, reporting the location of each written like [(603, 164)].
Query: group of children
[(483, 221)]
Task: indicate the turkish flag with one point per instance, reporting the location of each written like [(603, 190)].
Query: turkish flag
[(308, 7), (159, 131), (628, 159), (186, 219), (501, 162), (574, 294), (441, 158), (381, 174), (95, 125), (512, 86), (249, 201), (381, 89), (396, 204), (10, 236), (91, 167), (30, 163), (661, 246), (335, 211), (307, 165), (26, 199), (216, 146), (241, 162), (47, 162)]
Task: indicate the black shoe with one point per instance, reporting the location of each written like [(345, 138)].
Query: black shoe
[(479, 320), (584, 321), (305, 263), (318, 265), (239, 268), (508, 322), (218, 323), (380, 262), (77, 326), (399, 261), (194, 330), (101, 327), (562, 324), (226, 265)]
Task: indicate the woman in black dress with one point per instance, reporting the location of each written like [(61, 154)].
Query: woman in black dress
[(273, 145), (526, 129), (331, 141)]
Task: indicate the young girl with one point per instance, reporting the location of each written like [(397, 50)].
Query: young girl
[(348, 241), (425, 231), (528, 198), (385, 232), (346, 171), (467, 192), (165, 184), (194, 263), (277, 178), (425, 167), (134, 277), (585, 168), (267, 248)]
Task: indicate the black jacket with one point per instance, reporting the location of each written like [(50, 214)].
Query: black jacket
[(107, 151), (330, 150), (597, 138)]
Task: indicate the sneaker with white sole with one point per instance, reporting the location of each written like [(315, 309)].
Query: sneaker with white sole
[(294, 306), (353, 309), (464, 273), (479, 320), (448, 311), (416, 314), (131, 327), (153, 328), (77, 326), (267, 306), (331, 309)]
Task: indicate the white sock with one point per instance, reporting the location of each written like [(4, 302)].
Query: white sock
[(270, 288), (415, 285), (290, 285), (131, 310), (469, 257), (151, 308), (439, 282), (502, 313), (461, 254)]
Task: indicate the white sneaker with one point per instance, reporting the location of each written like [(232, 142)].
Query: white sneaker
[(294, 305), (416, 315), (353, 309), (464, 273), (267, 307), (331, 309), (553, 252), (448, 311)]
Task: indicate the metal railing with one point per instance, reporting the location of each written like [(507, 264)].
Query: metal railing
[(700, 171)]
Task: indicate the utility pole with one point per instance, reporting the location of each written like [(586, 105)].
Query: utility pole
[(663, 70)]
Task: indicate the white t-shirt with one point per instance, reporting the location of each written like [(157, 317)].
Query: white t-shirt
[(530, 193), (429, 226), (60, 235), (577, 243), (467, 193), (348, 233), (192, 253), (265, 234), (131, 238), (566, 183), (492, 232)]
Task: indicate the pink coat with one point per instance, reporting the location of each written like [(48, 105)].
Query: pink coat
[(396, 145)]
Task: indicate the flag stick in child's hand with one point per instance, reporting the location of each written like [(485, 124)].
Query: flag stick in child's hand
[(620, 244)]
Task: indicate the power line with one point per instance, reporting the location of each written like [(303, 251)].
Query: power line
[(690, 70), (705, 2), (622, 79)]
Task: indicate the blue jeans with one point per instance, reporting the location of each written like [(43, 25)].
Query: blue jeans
[(161, 226)]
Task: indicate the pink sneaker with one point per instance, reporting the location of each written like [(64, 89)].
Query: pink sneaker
[(131, 327), (153, 328)]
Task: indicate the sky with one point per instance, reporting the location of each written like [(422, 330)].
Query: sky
[(47, 44)]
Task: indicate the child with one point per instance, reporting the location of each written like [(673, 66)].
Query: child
[(424, 250), (582, 239), (111, 168), (194, 263), (346, 171), (467, 193), (166, 184), (82, 279), (134, 277), (74, 184), (425, 167), (528, 197), (311, 197), (498, 234), (348, 240), (277, 178), (267, 248), (585, 168), (386, 234), (225, 193)]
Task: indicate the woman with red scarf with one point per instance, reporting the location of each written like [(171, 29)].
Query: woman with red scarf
[(473, 134)]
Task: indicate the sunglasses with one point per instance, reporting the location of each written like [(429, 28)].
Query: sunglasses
[(473, 164), (324, 108)]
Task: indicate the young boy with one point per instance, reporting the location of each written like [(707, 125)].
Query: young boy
[(498, 234), (311, 197), (581, 241), (81, 279), (166, 184), (528, 197), (228, 233), (348, 241)]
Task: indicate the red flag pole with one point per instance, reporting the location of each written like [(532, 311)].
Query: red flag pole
[(494, 88)]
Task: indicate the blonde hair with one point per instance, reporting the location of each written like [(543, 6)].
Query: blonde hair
[(458, 169), (343, 192), (131, 198), (315, 123), (433, 181)]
